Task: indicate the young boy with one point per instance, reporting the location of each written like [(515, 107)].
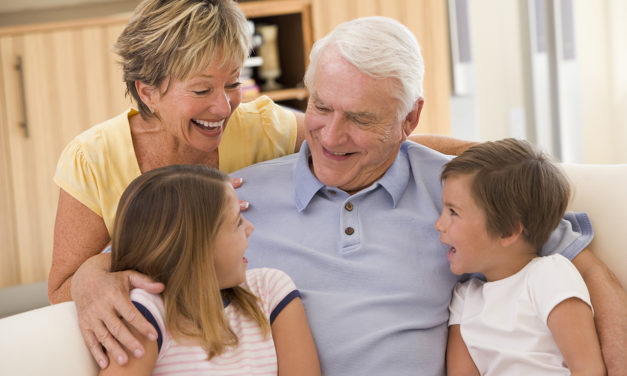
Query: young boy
[(532, 315)]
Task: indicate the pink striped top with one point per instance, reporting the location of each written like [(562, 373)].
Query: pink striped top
[(254, 355)]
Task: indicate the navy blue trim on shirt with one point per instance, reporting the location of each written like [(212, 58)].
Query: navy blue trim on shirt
[(151, 319), (283, 303)]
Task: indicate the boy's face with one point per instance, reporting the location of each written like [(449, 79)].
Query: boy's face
[(462, 226)]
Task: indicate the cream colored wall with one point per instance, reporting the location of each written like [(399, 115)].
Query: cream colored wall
[(600, 36), (601, 31), (497, 55)]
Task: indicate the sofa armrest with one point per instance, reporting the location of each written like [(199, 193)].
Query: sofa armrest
[(44, 341), (599, 191)]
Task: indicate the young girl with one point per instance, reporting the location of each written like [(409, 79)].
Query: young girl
[(532, 315), (181, 225)]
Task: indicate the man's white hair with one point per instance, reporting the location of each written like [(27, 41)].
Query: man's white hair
[(380, 47)]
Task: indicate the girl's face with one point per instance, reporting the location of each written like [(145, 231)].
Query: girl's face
[(462, 226), (195, 111), (230, 244)]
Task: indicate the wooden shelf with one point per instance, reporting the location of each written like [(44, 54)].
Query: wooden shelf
[(295, 38), (256, 9)]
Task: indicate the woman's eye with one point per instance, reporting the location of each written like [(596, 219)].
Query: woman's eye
[(201, 92), (234, 85)]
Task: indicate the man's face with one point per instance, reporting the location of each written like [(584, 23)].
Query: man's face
[(352, 130)]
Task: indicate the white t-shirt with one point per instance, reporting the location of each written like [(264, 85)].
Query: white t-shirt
[(504, 323), (254, 354)]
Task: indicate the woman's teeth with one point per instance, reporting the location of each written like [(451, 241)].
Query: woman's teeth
[(207, 124)]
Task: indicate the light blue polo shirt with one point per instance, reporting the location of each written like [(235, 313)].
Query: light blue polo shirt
[(371, 270)]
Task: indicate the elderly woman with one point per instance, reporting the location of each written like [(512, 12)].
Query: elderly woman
[(181, 61)]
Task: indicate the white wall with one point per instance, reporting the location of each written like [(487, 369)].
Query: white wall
[(498, 45), (601, 42)]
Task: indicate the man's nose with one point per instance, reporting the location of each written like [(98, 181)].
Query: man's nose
[(335, 132)]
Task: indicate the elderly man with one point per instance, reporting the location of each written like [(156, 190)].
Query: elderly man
[(351, 217)]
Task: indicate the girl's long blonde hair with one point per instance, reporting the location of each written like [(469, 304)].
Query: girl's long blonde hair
[(165, 227)]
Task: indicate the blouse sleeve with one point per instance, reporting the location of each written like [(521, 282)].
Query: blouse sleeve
[(75, 174), (257, 131)]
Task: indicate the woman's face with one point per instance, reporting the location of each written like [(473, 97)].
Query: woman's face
[(195, 111)]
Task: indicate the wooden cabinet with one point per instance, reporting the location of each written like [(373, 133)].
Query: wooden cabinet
[(57, 80), (295, 38)]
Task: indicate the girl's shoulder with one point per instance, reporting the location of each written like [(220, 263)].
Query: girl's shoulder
[(267, 279), (273, 287)]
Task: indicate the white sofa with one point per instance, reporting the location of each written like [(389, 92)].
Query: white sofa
[(48, 341)]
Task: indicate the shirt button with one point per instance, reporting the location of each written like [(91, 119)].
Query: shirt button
[(348, 206), (349, 231)]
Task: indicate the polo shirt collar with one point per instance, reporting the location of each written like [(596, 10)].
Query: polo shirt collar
[(306, 185)]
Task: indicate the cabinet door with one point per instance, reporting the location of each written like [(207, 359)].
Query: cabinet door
[(56, 84)]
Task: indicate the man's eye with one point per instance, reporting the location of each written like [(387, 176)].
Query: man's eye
[(452, 212), (322, 109)]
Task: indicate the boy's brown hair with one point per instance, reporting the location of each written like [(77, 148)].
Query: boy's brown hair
[(515, 185)]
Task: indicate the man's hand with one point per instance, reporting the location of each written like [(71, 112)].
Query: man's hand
[(101, 299)]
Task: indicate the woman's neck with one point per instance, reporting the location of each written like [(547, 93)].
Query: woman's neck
[(155, 148)]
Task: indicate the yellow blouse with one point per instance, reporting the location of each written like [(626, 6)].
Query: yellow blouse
[(97, 165)]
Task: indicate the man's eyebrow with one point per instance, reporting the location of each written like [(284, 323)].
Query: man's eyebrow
[(316, 98), (349, 114), (362, 114)]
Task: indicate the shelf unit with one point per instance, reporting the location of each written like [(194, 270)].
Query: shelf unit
[(295, 38)]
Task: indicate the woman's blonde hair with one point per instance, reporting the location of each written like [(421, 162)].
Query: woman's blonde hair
[(165, 227), (177, 38)]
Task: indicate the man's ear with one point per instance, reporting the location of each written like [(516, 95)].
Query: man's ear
[(147, 93), (411, 121)]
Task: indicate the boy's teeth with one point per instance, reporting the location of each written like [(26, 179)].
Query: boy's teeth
[(207, 124)]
